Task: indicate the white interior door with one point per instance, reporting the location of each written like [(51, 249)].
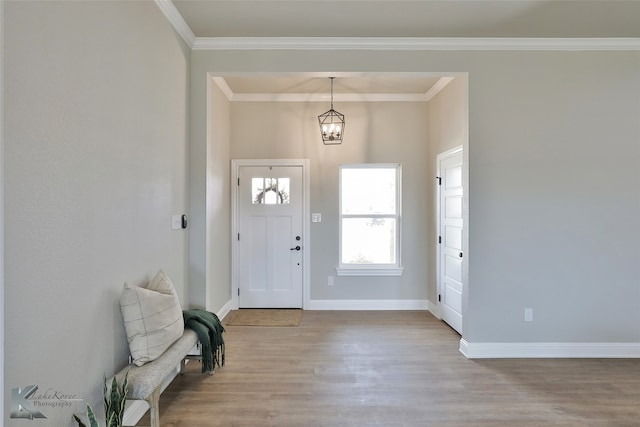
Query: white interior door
[(270, 240), (450, 285)]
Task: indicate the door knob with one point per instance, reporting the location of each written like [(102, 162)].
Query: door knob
[(297, 248)]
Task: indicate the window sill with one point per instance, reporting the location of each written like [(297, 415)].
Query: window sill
[(363, 271)]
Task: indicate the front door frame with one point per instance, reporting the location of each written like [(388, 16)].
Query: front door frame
[(236, 164)]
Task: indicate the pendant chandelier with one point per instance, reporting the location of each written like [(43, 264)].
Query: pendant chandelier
[(331, 124)]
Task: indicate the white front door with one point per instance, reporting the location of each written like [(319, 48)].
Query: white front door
[(450, 285), (270, 240)]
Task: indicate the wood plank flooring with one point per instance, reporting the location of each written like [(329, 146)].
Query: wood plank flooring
[(393, 369)]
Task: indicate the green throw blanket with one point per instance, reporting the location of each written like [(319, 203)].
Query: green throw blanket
[(209, 330)]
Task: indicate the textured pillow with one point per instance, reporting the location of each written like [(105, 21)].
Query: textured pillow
[(152, 318)]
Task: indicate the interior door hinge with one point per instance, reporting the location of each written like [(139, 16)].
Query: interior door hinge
[(439, 298), (439, 180), (238, 236), (439, 239), (238, 181), (238, 291)]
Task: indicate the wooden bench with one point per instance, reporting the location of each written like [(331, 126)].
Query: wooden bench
[(147, 382)]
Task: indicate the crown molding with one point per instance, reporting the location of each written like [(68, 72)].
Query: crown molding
[(436, 88), (337, 97), (224, 87), (177, 21), (413, 43), (388, 43), (323, 97)]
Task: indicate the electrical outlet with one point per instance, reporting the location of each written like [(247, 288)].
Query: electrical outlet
[(528, 314), (330, 281)]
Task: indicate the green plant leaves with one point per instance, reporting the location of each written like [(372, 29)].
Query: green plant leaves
[(114, 402)]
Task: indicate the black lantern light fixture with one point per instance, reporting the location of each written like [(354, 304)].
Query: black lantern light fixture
[(331, 124)]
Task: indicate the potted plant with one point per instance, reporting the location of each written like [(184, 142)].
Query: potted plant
[(114, 400)]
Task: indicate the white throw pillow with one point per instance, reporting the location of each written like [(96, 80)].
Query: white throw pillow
[(152, 318)]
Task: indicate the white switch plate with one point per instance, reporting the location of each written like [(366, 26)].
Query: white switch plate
[(176, 222), (528, 314), (330, 281), (316, 217)]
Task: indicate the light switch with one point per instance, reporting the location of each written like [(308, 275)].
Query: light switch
[(176, 222), (528, 314), (316, 217)]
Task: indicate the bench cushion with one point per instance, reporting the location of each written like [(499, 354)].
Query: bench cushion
[(143, 380)]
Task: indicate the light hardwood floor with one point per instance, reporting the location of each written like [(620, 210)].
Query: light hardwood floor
[(393, 369)]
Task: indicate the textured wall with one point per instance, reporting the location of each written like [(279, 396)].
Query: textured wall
[(553, 175), (218, 193), (375, 132), (96, 163), (448, 128)]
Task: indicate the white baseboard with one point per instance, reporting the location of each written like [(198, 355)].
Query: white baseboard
[(434, 309), (549, 350), (222, 313), (353, 305), (366, 305)]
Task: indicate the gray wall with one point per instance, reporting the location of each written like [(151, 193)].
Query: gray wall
[(210, 202), (448, 124), (553, 171), (2, 346), (218, 192), (95, 151), (375, 132), (96, 136)]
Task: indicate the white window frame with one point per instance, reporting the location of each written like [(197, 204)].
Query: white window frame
[(373, 269)]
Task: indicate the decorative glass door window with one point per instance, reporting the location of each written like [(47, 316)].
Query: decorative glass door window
[(270, 191)]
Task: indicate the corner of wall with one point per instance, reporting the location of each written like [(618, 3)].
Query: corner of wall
[(2, 208)]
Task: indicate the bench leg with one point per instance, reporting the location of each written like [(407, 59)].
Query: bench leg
[(154, 406)]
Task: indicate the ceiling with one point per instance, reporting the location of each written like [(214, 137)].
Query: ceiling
[(411, 18), (394, 19)]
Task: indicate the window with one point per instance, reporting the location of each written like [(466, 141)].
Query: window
[(370, 220), (270, 191)]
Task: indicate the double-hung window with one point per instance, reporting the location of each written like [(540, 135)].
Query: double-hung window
[(370, 219)]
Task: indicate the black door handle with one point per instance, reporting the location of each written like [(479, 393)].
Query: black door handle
[(297, 248)]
